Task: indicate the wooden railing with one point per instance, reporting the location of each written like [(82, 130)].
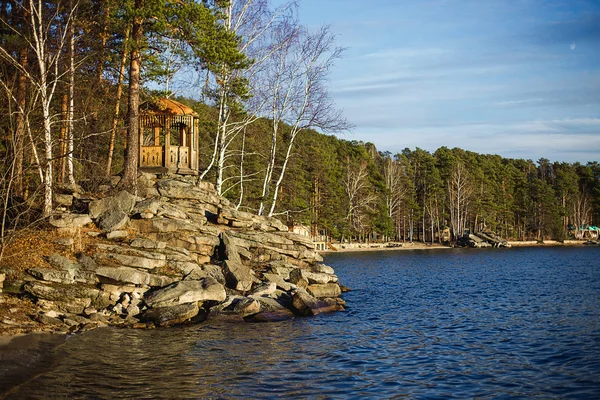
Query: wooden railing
[(152, 156)]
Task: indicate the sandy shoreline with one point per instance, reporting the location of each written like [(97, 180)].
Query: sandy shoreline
[(428, 246)]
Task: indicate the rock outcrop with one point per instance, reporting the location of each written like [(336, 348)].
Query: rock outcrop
[(181, 254)]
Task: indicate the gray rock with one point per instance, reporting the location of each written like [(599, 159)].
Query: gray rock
[(279, 281), (322, 268), (271, 311), (13, 286), (123, 201), (147, 206), (65, 200), (304, 303), (67, 188), (166, 316), (87, 262), (112, 220), (207, 289), (72, 306), (64, 263), (48, 320), (126, 250), (112, 213), (281, 268), (170, 211), (60, 292), (124, 274), (118, 308), (97, 317), (246, 307), (265, 289), (324, 290), (148, 244), (65, 242), (161, 280), (231, 250), (117, 235), (298, 279), (238, 276), (131, 261), (163, 225), (132, 310), (70, 220), (51, 275)]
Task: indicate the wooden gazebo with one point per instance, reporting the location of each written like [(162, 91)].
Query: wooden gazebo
[(168, 137)]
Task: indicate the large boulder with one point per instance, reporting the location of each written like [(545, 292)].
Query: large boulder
[(124, 275), (70, 220), (132, 261), (207, 289), (123, 200), (112, 213), (264, 289), (63, 297), (324, 290), (166, 316), (238, 276), (271, 311), (306, 304), (311, 277)]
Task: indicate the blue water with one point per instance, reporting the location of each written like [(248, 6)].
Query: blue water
[(502, 323)]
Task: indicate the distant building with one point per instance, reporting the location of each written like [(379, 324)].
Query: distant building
[(320, 241)]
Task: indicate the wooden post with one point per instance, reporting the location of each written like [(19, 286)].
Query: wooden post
[(167, 157), (156, 135)]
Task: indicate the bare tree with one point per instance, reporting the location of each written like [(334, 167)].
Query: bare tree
[(581, 214), (299, 96), (129, 179), (359, 196), (117, 109), (459, 195), (45, 36), (237, 90)]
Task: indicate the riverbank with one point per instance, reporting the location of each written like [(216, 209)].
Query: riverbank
[(363, 247), (356, 247)]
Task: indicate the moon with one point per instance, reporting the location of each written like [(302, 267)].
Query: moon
[(573, 45)]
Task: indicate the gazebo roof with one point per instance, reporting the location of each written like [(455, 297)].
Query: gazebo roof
[(167, 106)]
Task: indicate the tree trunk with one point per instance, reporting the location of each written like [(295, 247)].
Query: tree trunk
[(20, 125), (129, 179), (70, 136), (115, 120), (62, 138)]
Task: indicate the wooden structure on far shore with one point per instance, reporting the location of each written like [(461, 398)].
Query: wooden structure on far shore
[(168, 137)]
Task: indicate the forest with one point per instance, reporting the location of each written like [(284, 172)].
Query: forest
[(74, 73)]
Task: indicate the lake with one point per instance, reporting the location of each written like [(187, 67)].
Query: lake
[(464, 323)]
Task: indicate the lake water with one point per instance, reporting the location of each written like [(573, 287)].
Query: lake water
[(507, 323)]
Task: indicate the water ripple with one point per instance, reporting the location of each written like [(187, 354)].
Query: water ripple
[(435, 325)]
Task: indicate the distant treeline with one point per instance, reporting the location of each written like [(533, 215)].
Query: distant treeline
[(350, 190)]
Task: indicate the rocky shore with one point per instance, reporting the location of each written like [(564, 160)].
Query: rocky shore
[(178, 253)]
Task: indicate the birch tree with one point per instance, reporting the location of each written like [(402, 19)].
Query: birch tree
[(236, 82), (459, 195), (45, 34), (299, 97), (359, 195)]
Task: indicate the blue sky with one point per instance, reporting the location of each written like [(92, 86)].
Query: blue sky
[(519, 78)]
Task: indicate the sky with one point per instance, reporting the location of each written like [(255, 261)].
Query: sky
[(518, 78)]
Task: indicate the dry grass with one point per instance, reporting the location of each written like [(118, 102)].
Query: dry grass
[(30, 247)]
